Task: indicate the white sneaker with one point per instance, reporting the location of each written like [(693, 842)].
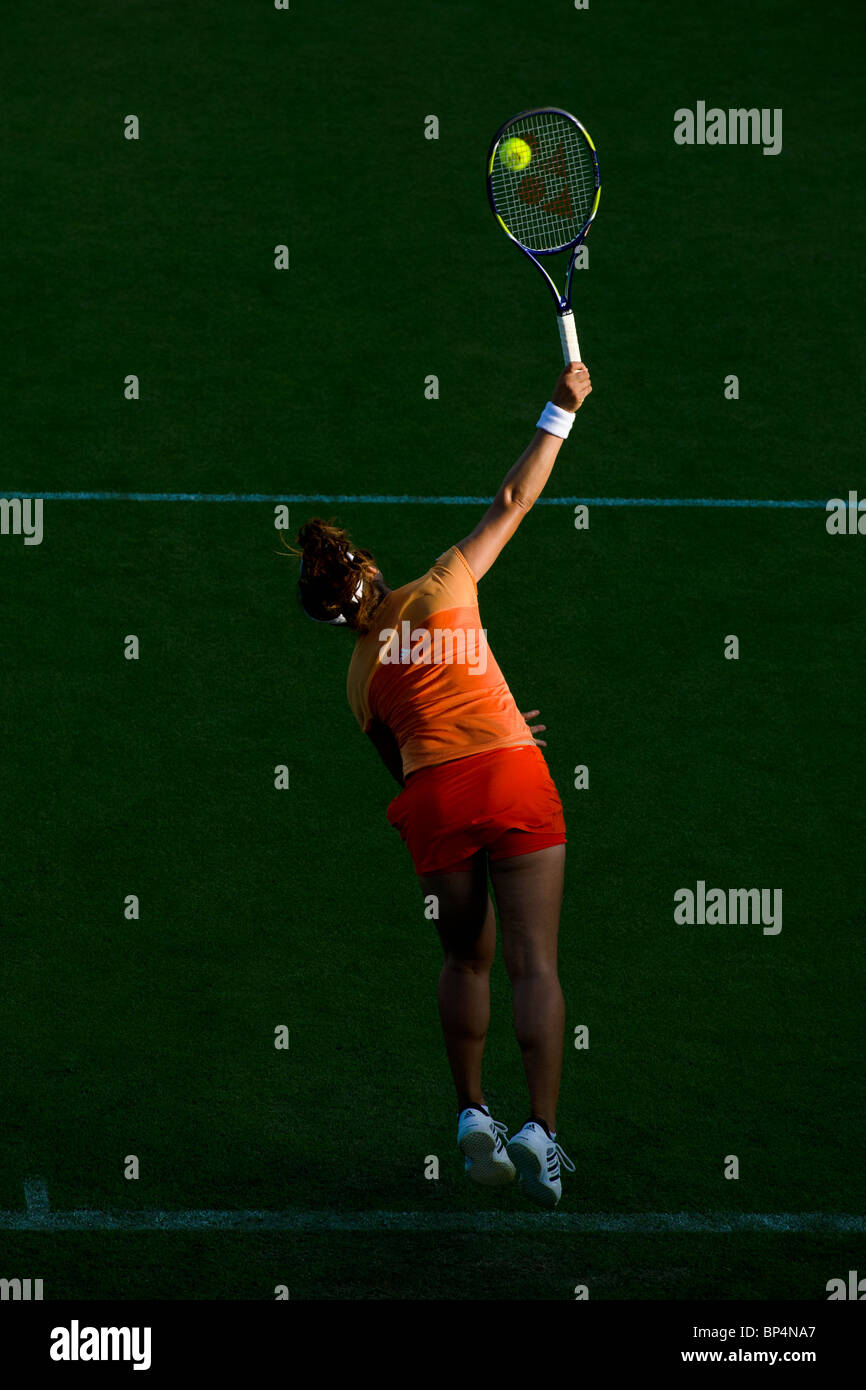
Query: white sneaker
[(536, 1157), (480, 1141)]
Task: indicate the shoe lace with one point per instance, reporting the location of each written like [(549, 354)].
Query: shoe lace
[(500, 1127), (566, 1161)]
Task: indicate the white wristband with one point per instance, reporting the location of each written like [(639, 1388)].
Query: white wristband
[(555, 420)]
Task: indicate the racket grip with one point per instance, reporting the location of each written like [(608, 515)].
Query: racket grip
[(568, 337)]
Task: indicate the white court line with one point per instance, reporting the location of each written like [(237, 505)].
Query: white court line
[(383, 1222), (40, 1217), (400, 499)]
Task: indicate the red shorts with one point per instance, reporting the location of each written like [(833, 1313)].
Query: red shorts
[(503, 801)]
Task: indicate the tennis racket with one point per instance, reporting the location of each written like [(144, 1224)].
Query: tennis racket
[(543, 183)]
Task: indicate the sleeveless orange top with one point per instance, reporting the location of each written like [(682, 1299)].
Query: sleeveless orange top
[(426, 671)]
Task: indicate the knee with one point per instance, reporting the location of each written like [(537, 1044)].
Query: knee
[(467, 965), (524, 968)]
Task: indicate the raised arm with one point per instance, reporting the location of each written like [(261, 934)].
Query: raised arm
[(525, 482)]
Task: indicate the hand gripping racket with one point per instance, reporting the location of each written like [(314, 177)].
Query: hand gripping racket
[(543, 183)]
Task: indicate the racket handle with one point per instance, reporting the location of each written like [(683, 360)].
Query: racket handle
[(568, 337)]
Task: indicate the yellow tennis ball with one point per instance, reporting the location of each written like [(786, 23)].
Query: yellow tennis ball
[(515, 154)]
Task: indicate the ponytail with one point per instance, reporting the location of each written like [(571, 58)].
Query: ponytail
[(337, 579)]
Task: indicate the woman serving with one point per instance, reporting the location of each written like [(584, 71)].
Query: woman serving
[(477, 798)]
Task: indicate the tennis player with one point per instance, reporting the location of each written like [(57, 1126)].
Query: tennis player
[(476, 798)]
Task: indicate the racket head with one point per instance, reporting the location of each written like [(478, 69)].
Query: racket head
[(544, 188)]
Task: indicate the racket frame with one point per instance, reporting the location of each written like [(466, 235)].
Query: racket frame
[(567, 331)]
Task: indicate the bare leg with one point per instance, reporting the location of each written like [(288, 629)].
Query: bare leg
[(467, 930), (528, 890)]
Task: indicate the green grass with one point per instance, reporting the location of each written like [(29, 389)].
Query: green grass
[(155, 1037), (547, 1267)]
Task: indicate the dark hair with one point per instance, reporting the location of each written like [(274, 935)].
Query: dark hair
[(329, 578)]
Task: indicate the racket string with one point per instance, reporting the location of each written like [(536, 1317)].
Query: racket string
[(546, 203)]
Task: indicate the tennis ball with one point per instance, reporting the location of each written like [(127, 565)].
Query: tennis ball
[(515, 154)]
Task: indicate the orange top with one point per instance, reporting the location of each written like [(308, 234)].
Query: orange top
[(425, 671)]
